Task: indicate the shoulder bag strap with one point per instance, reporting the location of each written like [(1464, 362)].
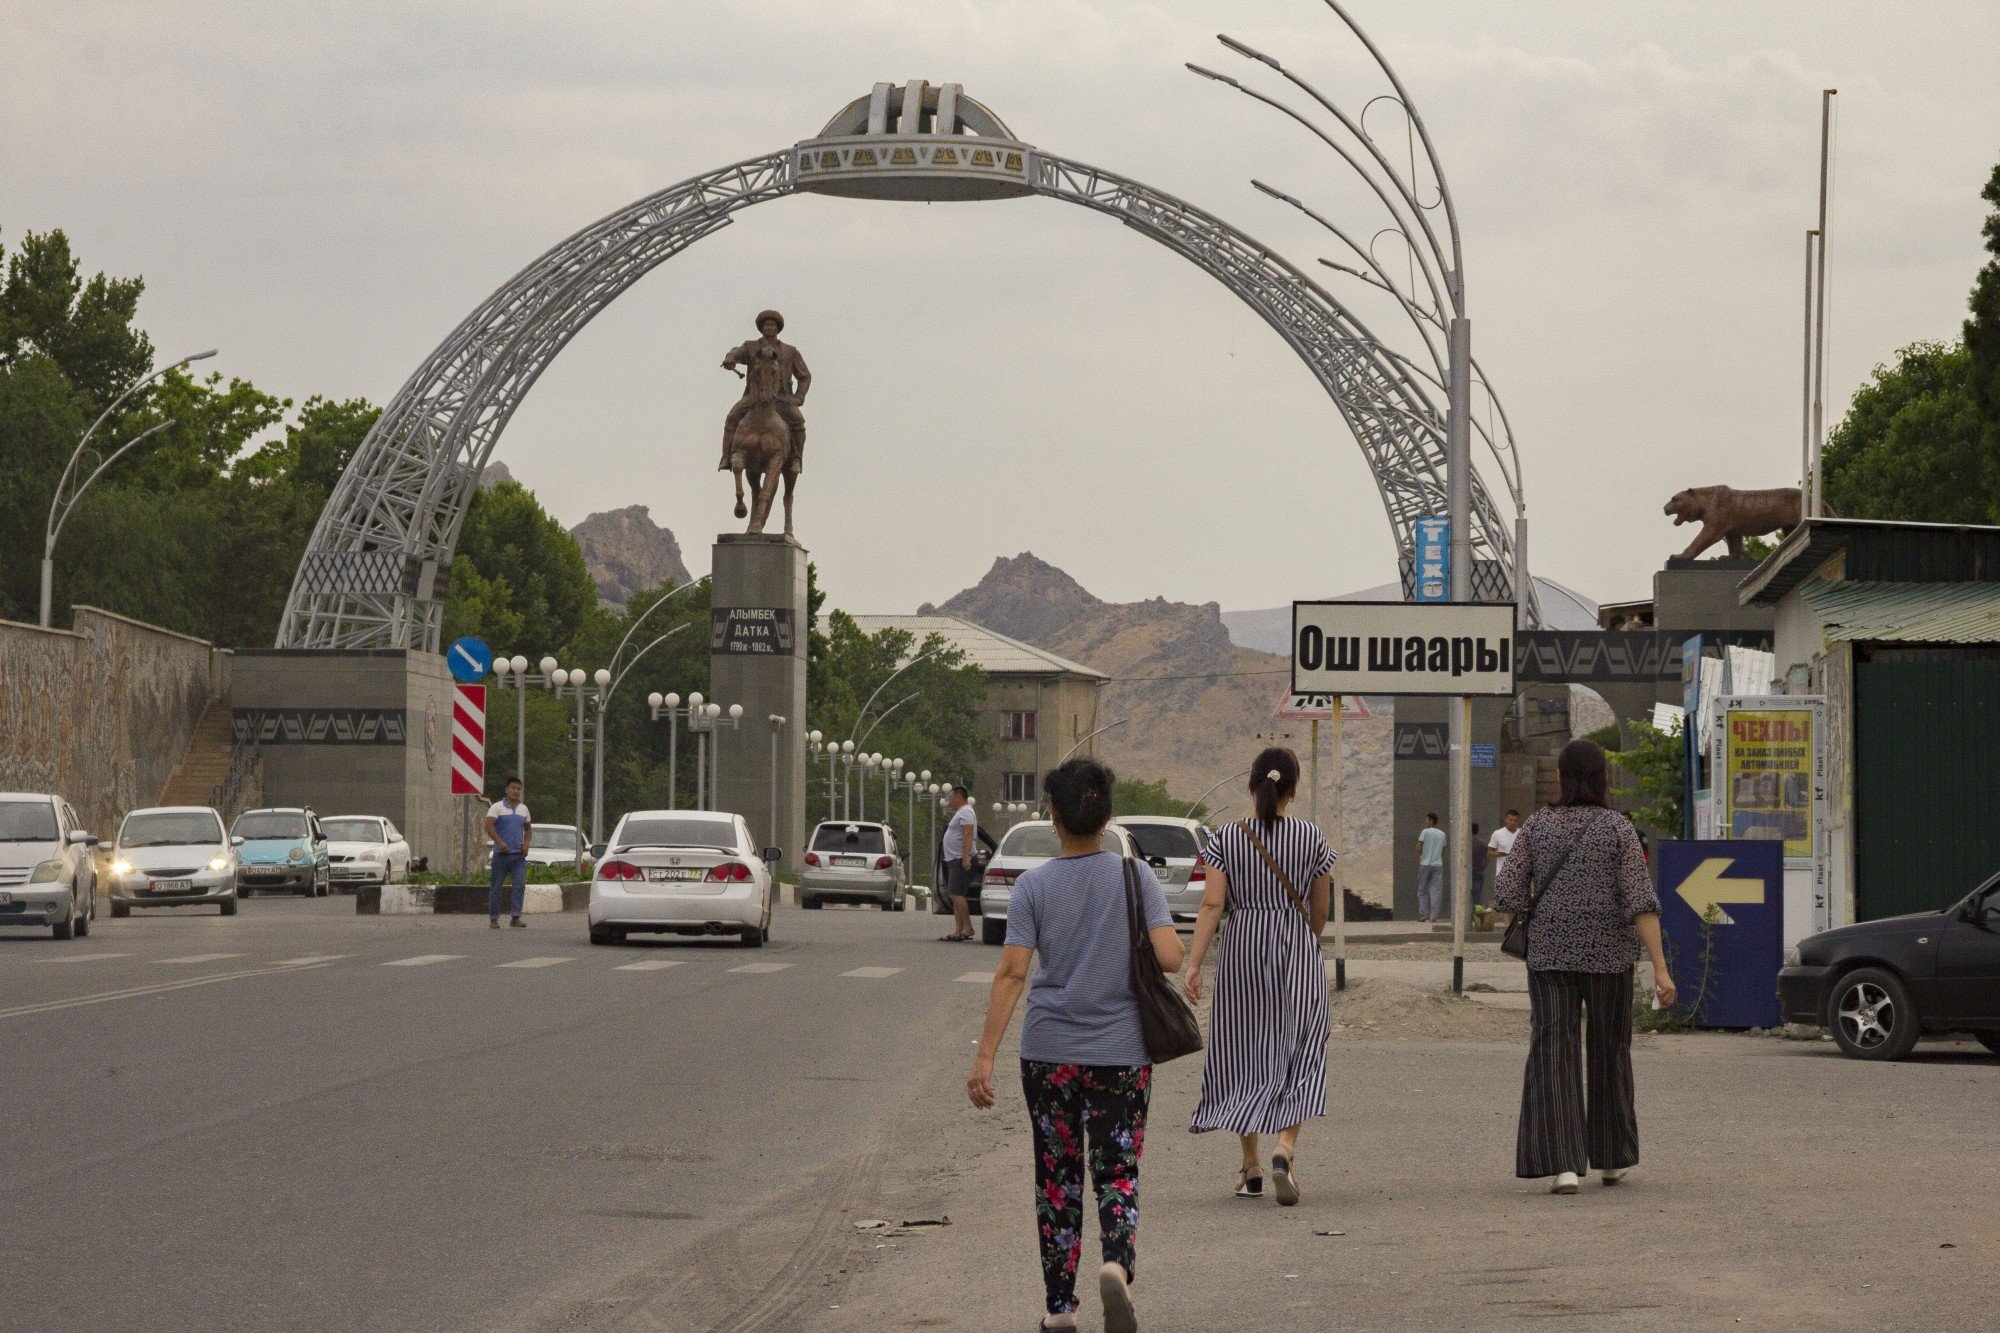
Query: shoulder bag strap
[(1135, 919), (1276, 869)]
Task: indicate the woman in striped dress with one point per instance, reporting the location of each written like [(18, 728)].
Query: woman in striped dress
[(1266, 1062)]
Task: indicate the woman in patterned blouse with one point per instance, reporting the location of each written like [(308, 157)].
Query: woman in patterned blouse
[(1596, 908)]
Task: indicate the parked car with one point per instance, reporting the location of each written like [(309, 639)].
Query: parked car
[(682, 872), (1024, 847), (173, 856), (1879, 985), (47, 876), (282, 849), (1173, 848), (364, 849), (853, 861), (560, 845)]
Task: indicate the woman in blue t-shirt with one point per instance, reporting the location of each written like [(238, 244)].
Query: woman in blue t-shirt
[(1084, 1067)]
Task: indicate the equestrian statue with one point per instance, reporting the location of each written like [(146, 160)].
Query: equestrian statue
[(765, 434)]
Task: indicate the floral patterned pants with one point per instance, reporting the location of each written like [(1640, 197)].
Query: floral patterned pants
[(1067, 1104)]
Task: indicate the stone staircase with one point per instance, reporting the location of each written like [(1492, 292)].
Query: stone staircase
[(204, 770)]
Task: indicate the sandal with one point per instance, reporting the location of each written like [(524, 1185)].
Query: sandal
[(1249, 1186), (1284, 1181)]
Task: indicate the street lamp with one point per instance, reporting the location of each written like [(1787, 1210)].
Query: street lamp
[(816, 742), (512, 673), (608, 686), (668, 706), (777, 729), (69, 490), (578, 684), (705, 720)]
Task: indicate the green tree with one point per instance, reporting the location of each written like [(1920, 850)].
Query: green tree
[(1136, 796), (48, 309), (519, 580), (1655, 767), (1914, 443), (1982, 330)]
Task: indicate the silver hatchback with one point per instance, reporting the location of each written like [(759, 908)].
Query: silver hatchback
[(853, 861), (1173, 848)]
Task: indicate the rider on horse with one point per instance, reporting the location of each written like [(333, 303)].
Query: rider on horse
[(792, 382)]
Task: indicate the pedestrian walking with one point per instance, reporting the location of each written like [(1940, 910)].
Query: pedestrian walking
[(959, 832), (1502, 842), (1577, 872), (511, 830), (1084, 1067), (1430, 870), (1265, 1071)]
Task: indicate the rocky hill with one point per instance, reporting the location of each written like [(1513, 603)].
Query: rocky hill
[(627, 553), (1197, 704)]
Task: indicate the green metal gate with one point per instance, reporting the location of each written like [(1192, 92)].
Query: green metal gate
[(1926, 776)]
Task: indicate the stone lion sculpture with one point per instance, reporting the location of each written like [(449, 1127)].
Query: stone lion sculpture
[(1729, 515)]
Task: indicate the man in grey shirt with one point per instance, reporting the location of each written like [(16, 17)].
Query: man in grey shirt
[(960, 831)]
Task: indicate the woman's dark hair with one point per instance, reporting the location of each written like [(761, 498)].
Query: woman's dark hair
[(1584, 774), (1079, 795), (1273, 776)]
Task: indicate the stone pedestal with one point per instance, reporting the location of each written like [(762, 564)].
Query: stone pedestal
[(757, 658)]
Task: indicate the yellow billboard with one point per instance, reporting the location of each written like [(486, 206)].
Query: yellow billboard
[(1768, 776)]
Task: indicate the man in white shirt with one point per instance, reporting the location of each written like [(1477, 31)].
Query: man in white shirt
[(1501, 845), (1430, 871), (511, 830), (960, 831)]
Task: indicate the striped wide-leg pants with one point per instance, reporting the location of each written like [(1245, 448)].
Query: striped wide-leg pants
[(1577, 1109)]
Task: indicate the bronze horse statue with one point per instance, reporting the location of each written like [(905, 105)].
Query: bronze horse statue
[(762, 446)]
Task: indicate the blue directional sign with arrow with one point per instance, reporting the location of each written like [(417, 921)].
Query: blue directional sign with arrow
[(1722, 906), (469, 659)]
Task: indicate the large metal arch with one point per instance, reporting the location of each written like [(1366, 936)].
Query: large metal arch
[(374, 572)]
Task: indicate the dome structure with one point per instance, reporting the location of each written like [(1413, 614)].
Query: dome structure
[(920, 141)]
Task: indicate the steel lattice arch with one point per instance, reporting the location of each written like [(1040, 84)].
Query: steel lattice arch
[(374, 574)]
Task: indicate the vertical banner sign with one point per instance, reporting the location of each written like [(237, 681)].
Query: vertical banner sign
[(1431, 545), (468, 740)]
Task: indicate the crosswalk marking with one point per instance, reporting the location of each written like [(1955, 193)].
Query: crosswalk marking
[(540, 962), (84, 957), (310, 959), (424, 960), (761, 967), (981, 977), (872, 973), (201, 958), (649, 965)]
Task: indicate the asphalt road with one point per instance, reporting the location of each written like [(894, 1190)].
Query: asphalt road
[(301, 1118)]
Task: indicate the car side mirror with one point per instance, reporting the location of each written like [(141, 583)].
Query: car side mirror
[(773, 855), (78, 838), (235, 840), (597, 850)]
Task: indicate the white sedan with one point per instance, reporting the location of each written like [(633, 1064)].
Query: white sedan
[(682, 872), (364, 849), (1026, 846)]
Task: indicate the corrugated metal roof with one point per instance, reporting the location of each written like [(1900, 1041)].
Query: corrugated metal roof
[(991, 652), (1907, 612), (1876, 550)]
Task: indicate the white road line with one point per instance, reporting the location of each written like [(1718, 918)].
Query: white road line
[(872, 973), (649, 965), (201, 958), (980, 977), (761, 967), (132, 992), (83, 957), (424, 960), (540, 962), (310, 959)]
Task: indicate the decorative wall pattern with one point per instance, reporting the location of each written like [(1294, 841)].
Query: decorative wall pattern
[(320, 726)]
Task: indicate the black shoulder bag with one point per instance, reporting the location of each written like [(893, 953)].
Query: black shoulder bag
[(1166, 1020), (1515, 941)]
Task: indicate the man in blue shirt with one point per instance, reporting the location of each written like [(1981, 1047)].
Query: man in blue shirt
[(511, 830)]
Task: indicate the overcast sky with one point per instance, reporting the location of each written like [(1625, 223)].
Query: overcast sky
[(325, 190)]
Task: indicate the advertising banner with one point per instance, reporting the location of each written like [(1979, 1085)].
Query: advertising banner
[(1440, 648), (1431, 545), (1767, 776)]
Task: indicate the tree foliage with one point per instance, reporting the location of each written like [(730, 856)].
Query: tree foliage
[(1656, 767), (1912, 445), (1136, 796)]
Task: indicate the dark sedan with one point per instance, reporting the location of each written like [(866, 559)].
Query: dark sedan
[(1880, 985)]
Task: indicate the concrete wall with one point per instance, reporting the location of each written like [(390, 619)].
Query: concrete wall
[(1067, 711), (101, 713)]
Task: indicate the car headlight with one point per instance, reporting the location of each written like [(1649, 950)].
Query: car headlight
[(121, 867), (1792, 958), (48, 872), (296, 856), (218, 863), (373, 856)]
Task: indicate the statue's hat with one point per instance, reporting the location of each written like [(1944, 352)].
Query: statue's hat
[(763, 315)]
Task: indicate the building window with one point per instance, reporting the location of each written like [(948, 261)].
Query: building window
[(1020, 786), (1017, 726)]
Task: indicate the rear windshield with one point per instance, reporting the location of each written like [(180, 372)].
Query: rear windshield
[(259, 824), (1168, 840), (840, 838), (558, 839), (195, 828), (1031, 840), (717, 833), (27, 821), (351, 830)]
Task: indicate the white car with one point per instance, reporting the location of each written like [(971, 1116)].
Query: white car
[(364, 849), (47, 877), (559, 845), (682, 872), (1173, 848), (172, 856), (1024, 847)]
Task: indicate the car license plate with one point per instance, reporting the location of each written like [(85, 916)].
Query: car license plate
[(850, 860), (172, 885), (661, 874)]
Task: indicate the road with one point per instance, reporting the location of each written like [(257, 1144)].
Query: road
[(301, 1118)]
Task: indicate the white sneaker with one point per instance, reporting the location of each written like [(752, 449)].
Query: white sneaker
[(1613, 1175), (1565, 1183), (1113, 1290)]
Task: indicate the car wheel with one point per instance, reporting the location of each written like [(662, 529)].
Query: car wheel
[(83, 916), (120, 910), (1990, 1040), (229, 907), (992, 930), (753, 938), (1872, 1017), (66, 930), (810, 902), (602, 935)]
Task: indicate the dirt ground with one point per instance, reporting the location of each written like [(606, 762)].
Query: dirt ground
[(1782, 1186)]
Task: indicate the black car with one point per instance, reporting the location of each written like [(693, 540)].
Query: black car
[(1880, 985)]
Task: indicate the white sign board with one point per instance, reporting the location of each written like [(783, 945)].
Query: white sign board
[(1447, 648)]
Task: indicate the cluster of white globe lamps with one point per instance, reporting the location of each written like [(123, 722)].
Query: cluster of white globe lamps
[(697, 706), (552, 675)]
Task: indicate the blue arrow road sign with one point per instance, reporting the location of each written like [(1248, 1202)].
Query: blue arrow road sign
[(1740, 888), (469, 659)]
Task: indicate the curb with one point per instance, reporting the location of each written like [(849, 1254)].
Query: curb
[(462, 899)]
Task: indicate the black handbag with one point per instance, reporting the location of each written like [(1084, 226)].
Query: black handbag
[(1515, 942), (1166, 1020)]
